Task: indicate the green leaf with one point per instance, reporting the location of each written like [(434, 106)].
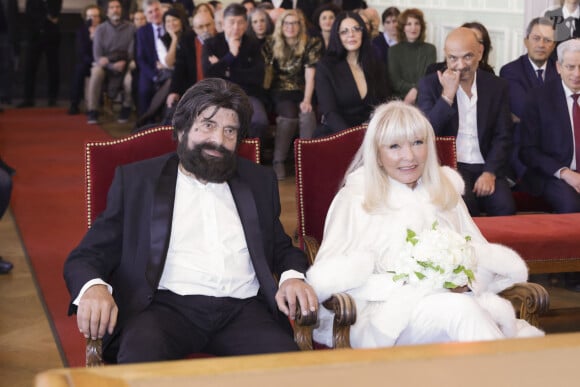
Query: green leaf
[(459, 269), (411, 237), (434, 225), (468, 238), (420, 275), (449, 285), (399, 277)]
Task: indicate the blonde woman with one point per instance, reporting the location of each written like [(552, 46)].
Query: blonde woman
[(396, 184), (293, 57)]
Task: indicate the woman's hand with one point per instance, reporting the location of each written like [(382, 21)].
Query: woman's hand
[(305, 107)]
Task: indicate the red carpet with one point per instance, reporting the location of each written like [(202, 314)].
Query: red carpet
[(46, 147)]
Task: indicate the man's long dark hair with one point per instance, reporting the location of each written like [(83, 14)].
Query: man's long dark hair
[(212, 92)]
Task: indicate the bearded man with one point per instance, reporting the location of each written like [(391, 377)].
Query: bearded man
[(181, 260)]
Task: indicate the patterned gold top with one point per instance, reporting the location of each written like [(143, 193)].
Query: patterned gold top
[(289, 75)]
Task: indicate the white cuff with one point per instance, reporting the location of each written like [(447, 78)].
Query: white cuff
[(289, 274), (96, 281)]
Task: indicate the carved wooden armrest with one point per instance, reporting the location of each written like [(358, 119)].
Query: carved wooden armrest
[(303, 327), (94, 353), (344, 309), (530, 299)]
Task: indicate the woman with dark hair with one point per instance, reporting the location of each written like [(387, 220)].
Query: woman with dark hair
[(292, 57), (349, 79), (260, 24), (409, 58), (322, 18)]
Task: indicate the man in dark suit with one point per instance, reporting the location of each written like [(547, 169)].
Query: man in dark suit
[(473, 105), (527, 72), (550, 134), (187, 246), (188, 57), (43, 31), (146, 57), (237, 57), (388, 37)]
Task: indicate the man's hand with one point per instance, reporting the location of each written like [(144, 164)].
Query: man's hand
[(119, 66), (411, 97), (485, 184), (171, 99), (449, 80), (103, 61), (97, 312), (293, 290), (572, 178), (213, 59)]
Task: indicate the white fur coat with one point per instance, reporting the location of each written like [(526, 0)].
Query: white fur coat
[(356, 242)]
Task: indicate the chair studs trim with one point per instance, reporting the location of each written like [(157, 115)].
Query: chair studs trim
[(94, 144)]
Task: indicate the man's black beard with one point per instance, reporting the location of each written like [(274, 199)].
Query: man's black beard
[(204, 167)]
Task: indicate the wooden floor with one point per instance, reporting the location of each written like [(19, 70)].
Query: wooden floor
[(26, 341)]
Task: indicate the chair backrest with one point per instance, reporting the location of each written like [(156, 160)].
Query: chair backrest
[(101, 159), (320, 167)]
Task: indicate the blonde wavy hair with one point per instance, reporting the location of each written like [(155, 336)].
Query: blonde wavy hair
[(396, 122), (281, 50)]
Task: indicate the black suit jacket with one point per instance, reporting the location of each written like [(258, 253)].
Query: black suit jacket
[(246, 69), (546, 135), (128, 242), (494, 124)]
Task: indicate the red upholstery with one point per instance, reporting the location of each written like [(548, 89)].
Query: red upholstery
[(320, 167), (101, 159), (548, 242)]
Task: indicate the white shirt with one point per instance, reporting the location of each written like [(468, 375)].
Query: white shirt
[(159, 46), (567, 14), (569, 102), (467, 141), (201, 260), (207, 252), (536, 68), (390, 42)]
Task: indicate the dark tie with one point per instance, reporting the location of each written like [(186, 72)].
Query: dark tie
[(540, 77), (159, 32), (576, 119)]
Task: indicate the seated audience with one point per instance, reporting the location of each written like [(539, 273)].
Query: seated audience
[(186, 5), (409, 58), (473, 105), (237, 57), (139, 19), (84, 51), (182, 259), (373, 18), (129, 7), (388, 38), (188, 58), (250, 5), (261, 26), (323, 18), (292, 57), (174, 24), (349, 79), (550, 134), (112, 53), (527, 72), (397, 202)]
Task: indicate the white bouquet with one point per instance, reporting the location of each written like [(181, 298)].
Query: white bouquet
[(435, 259)]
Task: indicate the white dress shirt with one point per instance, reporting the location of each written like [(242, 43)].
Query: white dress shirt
[(159, 45), (468, 150)]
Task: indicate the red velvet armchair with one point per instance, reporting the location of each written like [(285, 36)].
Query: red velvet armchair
[(320, 167), (101, 159)]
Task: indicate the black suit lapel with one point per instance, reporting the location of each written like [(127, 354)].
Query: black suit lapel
[(161, 216), (483, 104), (248, 212)]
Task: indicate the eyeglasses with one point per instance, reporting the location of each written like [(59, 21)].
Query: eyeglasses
[(538, 38), (290, 23), (355, 30)]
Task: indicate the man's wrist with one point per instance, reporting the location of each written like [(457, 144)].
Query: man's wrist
[(447, 99)]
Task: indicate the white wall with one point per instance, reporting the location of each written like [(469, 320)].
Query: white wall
[(504, 19)]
